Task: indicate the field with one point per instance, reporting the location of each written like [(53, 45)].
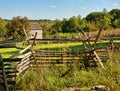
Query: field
[(67, 76), (7, 52)]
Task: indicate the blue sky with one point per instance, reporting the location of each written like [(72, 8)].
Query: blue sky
[(53, 9)]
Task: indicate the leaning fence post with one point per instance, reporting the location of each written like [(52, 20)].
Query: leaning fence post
[(3, 74)]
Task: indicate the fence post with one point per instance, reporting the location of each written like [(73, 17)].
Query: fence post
[(3, 75)]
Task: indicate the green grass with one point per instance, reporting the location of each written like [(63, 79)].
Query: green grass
[(66, 34), (49, 78), (56, 45), (70, 46), (7, 52)]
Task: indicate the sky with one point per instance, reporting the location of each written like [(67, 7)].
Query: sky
[(54, 9)]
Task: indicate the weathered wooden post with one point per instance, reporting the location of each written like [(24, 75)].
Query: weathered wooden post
[(92, 49), (4, 83)]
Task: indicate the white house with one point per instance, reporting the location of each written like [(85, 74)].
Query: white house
[(35, 27)]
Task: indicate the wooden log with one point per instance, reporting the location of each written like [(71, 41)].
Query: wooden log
[(20, 52), (99, 60), (21, 67), (26, 55), (23, 62), (29, 38), (11, 59), (10, 82), (88, 50), (10, 71), (55, 58), (11, 76), (52, 62), (22, 70)]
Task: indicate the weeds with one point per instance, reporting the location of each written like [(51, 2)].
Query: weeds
[(61, 77), (51, 79)]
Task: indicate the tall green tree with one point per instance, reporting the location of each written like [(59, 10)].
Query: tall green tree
[(57, 25), (115, 13), (106, 20), (16, 26), (2, 27), (83, 24), (65, 25), (100, 19), (48, 29), (72, 24)]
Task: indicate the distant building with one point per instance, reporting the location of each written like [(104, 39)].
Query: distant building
[(35, 27)]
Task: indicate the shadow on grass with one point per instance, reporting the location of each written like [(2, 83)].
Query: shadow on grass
[(8, 54)]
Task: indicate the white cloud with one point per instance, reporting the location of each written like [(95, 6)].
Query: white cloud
[(53, 6), (115, 4)]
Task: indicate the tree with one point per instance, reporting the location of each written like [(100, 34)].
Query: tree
[(83, 24), (100, 19), (48, 30), (2, 28), (57, 26), (115, 21), (16, 26), (72, 24), (65, 26)]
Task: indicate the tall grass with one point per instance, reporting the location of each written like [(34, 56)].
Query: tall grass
[(66, 34), (61, 77), (93, 34), (105, 33), (53, 78)]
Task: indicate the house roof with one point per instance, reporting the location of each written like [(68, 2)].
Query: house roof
[(35, 26)]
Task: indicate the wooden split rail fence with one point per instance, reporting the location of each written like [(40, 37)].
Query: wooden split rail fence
[(44, 57), (10, 68), (15, 65)]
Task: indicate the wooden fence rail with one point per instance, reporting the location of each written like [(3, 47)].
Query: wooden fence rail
[(12, 68), (17, 64), (44, 57)]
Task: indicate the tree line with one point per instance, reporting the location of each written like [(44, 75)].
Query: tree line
[(14, 28), (92, 22)]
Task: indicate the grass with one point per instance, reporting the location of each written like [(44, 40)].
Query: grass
[(52, 79), (7, 52), (56, 45), (70, 46)]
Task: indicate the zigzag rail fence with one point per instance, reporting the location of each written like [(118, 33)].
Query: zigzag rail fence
[(14, 66), (11, 67), (44, 57)]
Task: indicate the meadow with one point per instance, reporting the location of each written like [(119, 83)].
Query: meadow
[(51, 78)]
